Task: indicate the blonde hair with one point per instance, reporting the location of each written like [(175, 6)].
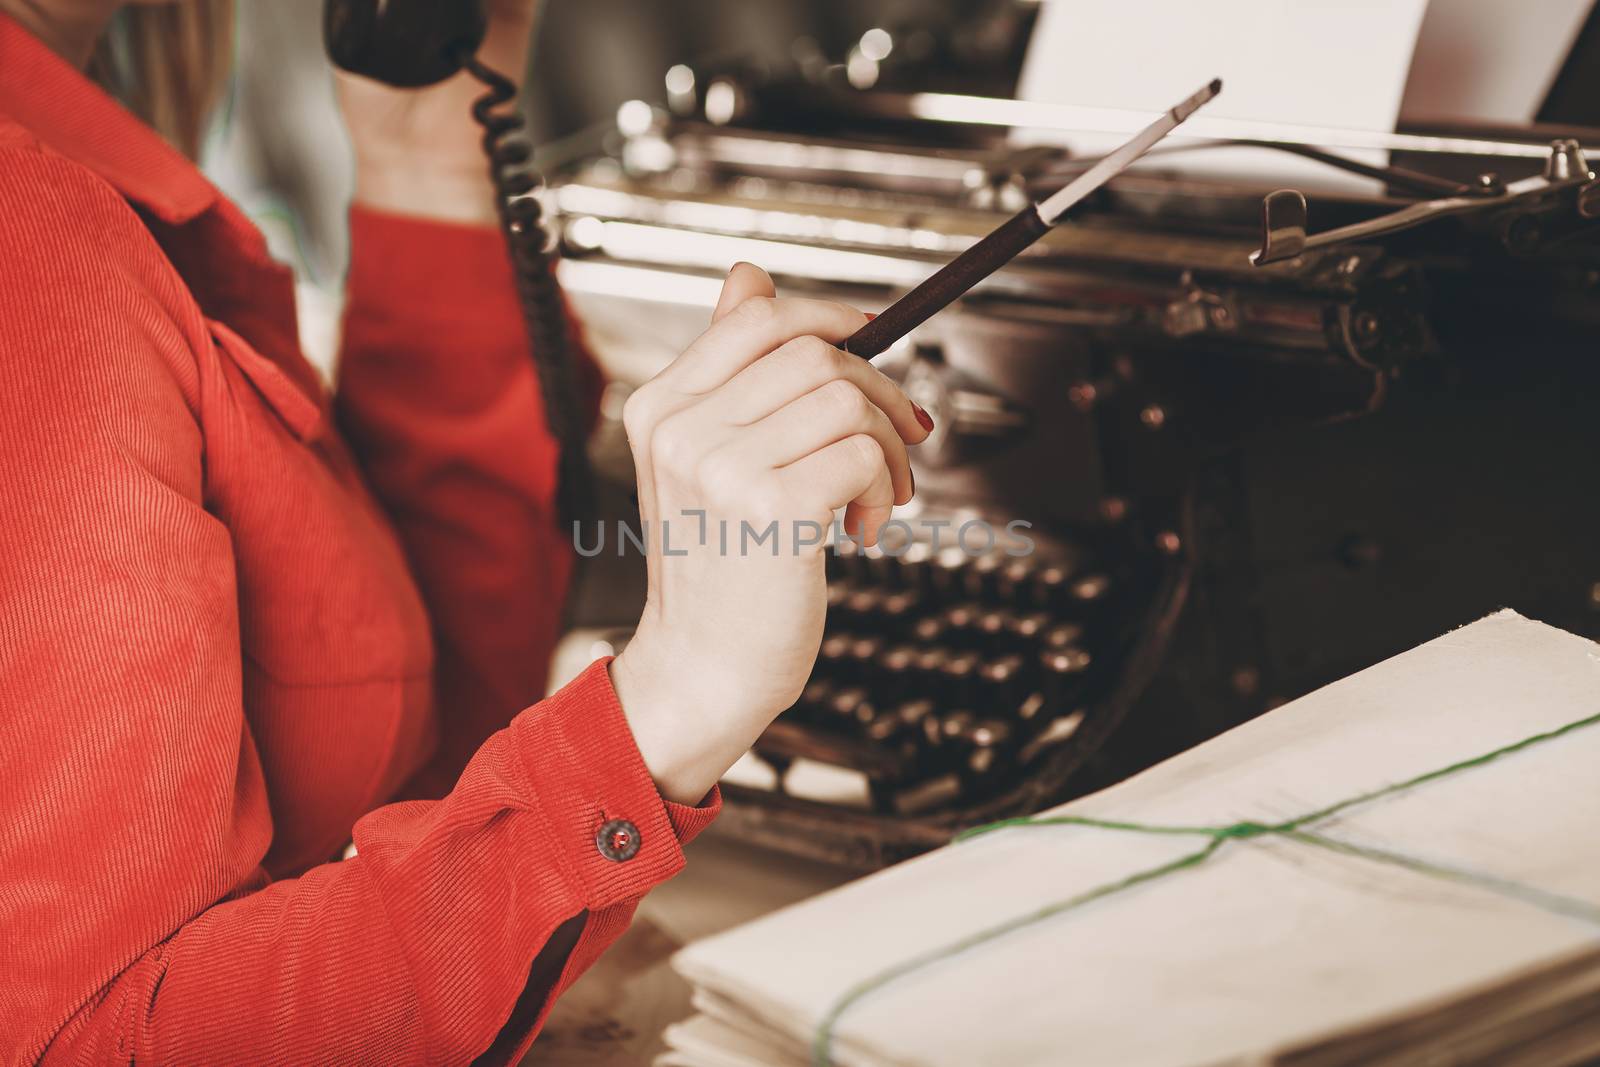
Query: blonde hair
[(170, 64)]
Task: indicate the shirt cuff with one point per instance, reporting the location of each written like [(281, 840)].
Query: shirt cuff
[(451, 276), (404, 267), (585, 772)]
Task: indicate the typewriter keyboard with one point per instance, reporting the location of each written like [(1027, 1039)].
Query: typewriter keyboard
[(942, 675)]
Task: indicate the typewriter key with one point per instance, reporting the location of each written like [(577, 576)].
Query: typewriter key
[(912, 713), (961, 623), (885, 727), (1050, 588), (891, 568), (817, 692), (1065, 661), (990, 743), (844, 703), (991, 628), (1091, 591), (949, 574), (897, 610), (864, 652), (861, 563), (875, 565), (983, 577), (959, 673), (896, 669), (1062, 636), (929, 671), (833, 565), (838, 593), (1016, 583), (956, 725), (862, 605), (1032, 708), (989, 734), (813, 703), (1063, 673), (929, 630), (914, 570), (834, 653), (938, 745), (1025, 628), (1001, 683), (1059, 731), (935, 793), (842, 558)]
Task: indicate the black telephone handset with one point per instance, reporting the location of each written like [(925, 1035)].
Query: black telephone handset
[(405, 43), (414, 43)]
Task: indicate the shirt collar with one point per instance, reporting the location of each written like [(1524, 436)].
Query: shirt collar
[(73, 116)]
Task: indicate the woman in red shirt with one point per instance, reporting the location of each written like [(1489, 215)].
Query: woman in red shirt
[(240, 617)]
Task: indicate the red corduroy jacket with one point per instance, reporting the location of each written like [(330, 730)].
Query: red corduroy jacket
[(238, 617)]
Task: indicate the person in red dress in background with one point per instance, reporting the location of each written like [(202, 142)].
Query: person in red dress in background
[(243, 622)]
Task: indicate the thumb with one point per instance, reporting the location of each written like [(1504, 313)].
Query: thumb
[(744, 281)]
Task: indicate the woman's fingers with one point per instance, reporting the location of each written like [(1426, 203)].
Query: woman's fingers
[(763, 400), (749, 330), (648, 406), (849, 472), (803, 365), (745, 280), (830, 413)]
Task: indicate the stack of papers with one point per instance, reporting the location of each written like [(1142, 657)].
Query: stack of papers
[(1455, 921)]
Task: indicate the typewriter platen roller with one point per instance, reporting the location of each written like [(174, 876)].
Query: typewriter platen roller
[(1238, 481)]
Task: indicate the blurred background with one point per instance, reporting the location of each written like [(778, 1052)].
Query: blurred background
[(279, 149), (278, 146)]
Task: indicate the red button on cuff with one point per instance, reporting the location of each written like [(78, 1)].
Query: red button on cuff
[(617, 840)]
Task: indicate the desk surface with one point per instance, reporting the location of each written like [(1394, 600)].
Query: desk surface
[(613, 1016)]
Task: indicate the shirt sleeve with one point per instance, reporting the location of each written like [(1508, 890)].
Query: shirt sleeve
[(139, 924), (440, 401)]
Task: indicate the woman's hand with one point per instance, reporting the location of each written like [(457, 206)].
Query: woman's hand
[(418, 151), (760, 425)]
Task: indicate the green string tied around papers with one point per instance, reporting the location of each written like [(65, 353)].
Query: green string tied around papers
[(1294, 829)]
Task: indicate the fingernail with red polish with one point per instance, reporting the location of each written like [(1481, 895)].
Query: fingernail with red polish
[(922, 416), (870, 315)]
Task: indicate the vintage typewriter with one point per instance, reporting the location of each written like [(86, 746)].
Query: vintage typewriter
[(1252, 454)]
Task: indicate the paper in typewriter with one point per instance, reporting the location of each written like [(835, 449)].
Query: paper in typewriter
[(1270, 951), (1327, 63)]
